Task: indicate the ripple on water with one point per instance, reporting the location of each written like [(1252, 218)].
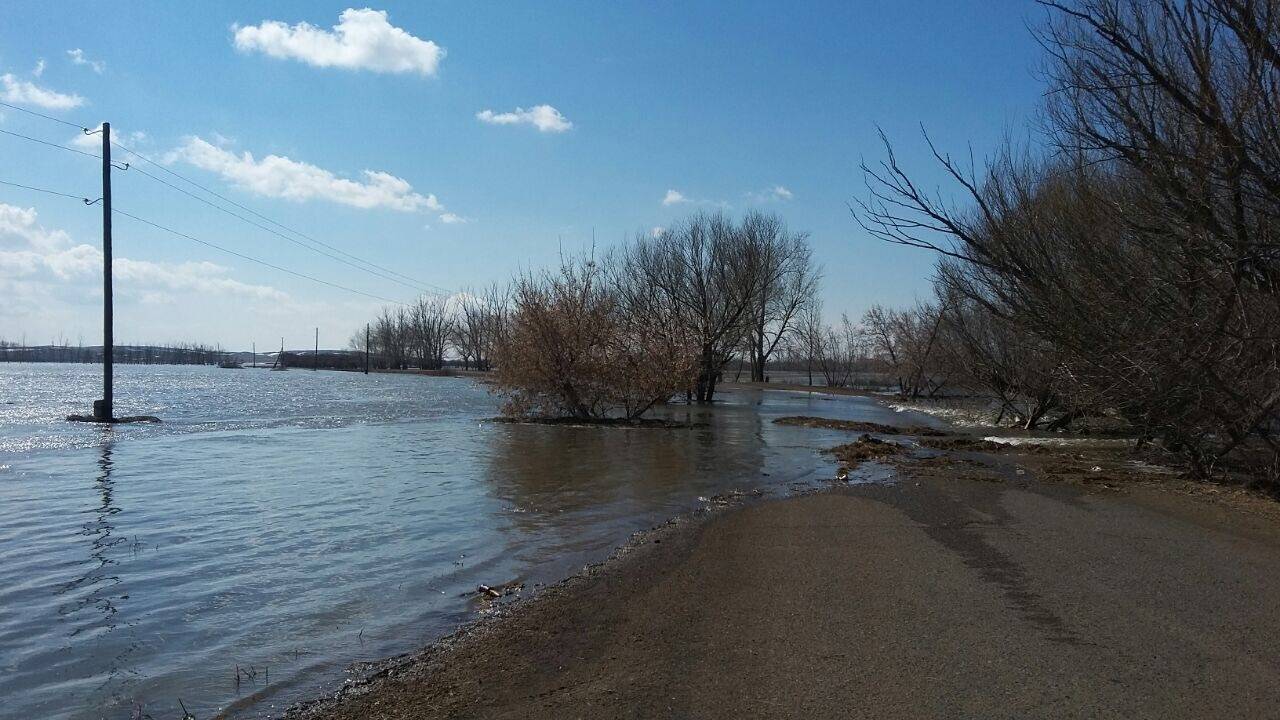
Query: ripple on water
[(304, 521)]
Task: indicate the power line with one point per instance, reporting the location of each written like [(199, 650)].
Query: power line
[(378, 271), (252, 259), (274, 232), (42, 115), (86, 200), (417, 284), (243, 256), (50, 144)]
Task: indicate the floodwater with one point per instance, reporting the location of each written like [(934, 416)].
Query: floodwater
[(280, 526)]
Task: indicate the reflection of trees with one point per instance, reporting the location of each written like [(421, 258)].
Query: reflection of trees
[(561, 475)]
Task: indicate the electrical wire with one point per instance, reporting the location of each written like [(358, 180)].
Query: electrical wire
[(86, 200), (374, 269), (282, 236), (417, 284), (206, 243), (252, 259), (50, 144), (42, 115)]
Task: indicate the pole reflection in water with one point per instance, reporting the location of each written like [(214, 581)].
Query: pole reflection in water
[(93, 598)]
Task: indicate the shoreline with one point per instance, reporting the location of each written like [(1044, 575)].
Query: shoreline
[(639, 547), (496, 665)]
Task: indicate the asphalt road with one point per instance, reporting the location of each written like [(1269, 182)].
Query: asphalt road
[(936, 597)]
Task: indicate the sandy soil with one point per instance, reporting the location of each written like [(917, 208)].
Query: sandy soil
[(991, 583)]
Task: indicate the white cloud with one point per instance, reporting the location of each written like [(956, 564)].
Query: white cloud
[(362, 40), (451, 219), (38, 70), (18, 228), (32, 253), (77, 57), (675, 197), (543, 117), (777, 193), (94, 142), (21, 92), (279, 177)]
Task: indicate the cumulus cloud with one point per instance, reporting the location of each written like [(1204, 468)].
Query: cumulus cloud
[(22, 92), (451, 219), (362, 40), (19, 229), (77, 57), (280, 177), (38, 70), (777, 193), (31, 253), (675, 197), (543, 117)]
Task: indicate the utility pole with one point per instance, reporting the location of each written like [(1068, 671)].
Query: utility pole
[(366, 348), (254, 364), (315, 359), (102, 410)]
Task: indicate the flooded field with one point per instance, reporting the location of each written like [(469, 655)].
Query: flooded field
[(277, 527)]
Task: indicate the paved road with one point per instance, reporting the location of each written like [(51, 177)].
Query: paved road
[(936, 597)]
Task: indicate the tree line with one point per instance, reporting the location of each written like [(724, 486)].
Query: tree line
[(660, 316), (1127, 261), (174, 354)]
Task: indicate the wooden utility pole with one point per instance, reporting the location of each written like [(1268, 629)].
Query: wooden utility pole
[(315, 359), (366, 348), (255, 355), (102, 410)]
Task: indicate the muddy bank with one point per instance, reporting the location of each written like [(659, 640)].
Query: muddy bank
[(979, 584), (856, 426)]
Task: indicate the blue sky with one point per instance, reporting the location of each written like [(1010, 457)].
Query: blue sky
[(722, 103)]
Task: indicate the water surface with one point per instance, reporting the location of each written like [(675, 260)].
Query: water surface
[(292, 523)]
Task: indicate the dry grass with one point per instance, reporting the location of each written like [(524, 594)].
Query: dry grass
[(865, 448)]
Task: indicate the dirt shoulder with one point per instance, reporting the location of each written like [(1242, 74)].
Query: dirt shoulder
[(977, 585)]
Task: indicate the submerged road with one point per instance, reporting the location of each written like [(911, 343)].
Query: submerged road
[(935, 597)]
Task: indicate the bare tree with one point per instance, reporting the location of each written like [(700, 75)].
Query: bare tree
[(908, 343), (784, 280), (1143, 255), (431, 325), (702, 275), (480, 317), (574, 348)]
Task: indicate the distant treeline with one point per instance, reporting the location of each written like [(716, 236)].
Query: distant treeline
[(180, 354)]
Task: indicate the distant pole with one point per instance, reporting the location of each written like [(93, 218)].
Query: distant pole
[(103, 411), (315, 359), (255, 354), (366, 348)]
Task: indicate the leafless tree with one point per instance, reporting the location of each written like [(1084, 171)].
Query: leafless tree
[(1143, 252), (431, 326), (908, 343), (702, 280), (573, 347), (785, 282), (480, 318)]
